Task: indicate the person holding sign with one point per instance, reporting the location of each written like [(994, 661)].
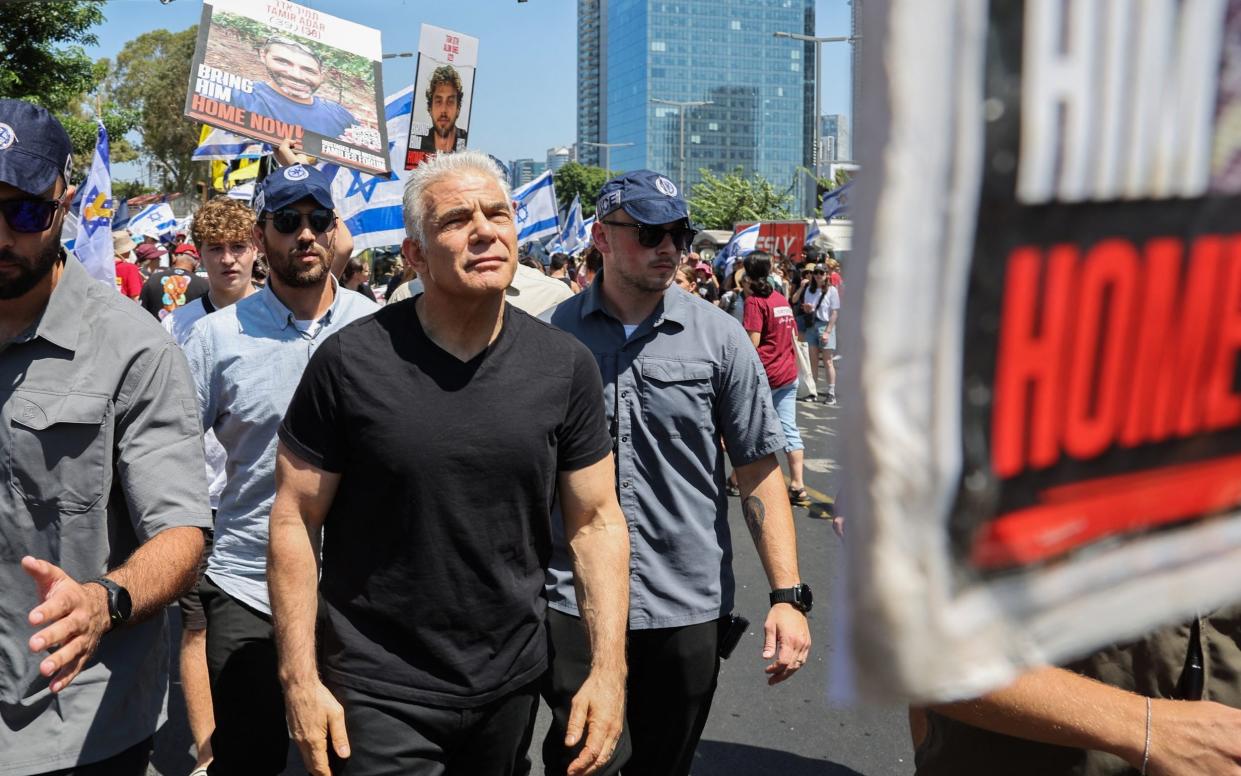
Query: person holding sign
[(444, 95), (295, 72)]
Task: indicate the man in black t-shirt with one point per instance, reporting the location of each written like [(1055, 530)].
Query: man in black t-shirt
[(472, 417), (173, 287)]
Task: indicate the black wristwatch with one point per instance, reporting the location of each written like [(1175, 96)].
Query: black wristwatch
[(798, 595), (120, 605)]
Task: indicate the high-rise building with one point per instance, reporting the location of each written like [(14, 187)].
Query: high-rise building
[(558, 157), (522, 171), (760, 89), (855, 64), (834, 135)]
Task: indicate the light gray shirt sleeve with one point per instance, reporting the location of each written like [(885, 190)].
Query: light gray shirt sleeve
[(159, 450)]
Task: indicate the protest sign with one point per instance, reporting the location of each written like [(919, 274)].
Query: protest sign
[(1046, 440), (443, 94), (277, 69)]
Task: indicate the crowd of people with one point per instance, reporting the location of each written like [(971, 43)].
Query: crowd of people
[(394, 530)]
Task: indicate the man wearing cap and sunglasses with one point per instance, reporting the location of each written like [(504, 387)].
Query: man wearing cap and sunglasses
[(93, 546), (246, 360), (679, 377)]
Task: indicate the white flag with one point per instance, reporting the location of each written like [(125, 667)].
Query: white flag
[(93, 244)]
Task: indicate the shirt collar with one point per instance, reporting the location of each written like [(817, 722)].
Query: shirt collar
[(283, 316), (62, 318), (672, 307)]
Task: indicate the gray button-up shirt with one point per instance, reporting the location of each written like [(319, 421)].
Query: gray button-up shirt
[(247, 359), (688, 377), (102, 451)]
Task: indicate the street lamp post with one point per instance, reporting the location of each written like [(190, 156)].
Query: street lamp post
[(818, 78), (607, 151), (681, 106)]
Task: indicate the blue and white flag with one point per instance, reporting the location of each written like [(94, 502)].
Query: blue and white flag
[(836, 202), (813, 233), (370, 205), (574, 234), (739, 245), (534, 206), (223, 146), (93, 244), (154, 220)]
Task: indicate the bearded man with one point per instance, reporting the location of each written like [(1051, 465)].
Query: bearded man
[(246, 361)]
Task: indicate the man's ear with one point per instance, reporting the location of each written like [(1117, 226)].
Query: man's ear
[(256, 236), (600, 237), (412, 252), (66, 199)]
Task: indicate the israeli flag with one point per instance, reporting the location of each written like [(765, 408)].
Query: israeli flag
[(574, 234), (836, 203), (223, 146), (812, 234), (155, 220), (93, 243), (739, 246), (370, 205), (535, 208)]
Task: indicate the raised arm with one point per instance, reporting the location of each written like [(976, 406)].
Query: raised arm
[(598, 542), (303, 496)]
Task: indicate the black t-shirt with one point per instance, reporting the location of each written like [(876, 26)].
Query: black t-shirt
[(435, 545), (170, 288)]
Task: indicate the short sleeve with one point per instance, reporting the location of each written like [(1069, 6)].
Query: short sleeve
[(312, 425), (159, 446), (752, 320), (583, 437), (833, 298), (748, 420)]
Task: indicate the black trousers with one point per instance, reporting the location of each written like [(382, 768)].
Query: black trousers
[(251, 736), (131, 762), (672, 680), (390, 737)]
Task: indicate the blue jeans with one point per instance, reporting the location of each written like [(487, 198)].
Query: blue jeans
[(785, 400)]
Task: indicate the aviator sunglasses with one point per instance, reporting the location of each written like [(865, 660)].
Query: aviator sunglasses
[(651, 235), (288, 220), (29, 216)]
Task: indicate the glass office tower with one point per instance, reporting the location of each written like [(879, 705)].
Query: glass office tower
[(760, 88)]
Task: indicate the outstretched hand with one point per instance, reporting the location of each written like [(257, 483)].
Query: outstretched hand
[(75, 616)]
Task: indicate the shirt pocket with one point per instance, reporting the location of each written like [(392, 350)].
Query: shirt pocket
[(59, 452), (676, 396)]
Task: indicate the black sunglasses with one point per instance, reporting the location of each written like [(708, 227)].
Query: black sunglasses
[(29, 216), (650, 235), (289, 220)]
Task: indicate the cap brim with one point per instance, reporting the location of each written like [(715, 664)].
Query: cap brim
[(656, 211), (273, 204), (36, 183)]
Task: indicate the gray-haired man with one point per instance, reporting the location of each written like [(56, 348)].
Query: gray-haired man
[(429, 443)]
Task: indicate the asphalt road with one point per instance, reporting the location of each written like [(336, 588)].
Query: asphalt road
[(787, 730)]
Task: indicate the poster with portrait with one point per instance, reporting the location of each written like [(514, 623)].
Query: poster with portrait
[(277, 69), (1046, 442), (443, 94)]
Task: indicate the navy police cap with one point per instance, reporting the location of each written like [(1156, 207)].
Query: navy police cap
[(647, 196), (292, 184), (34, 147)]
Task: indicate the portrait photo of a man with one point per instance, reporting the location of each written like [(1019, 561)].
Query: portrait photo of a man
[(294, 74), (444, 98)]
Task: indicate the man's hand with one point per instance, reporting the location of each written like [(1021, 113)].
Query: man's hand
[(838, 525), (599, 707), (786, 642), (314, 716), (1193, 737), (76, 617), (286, 155)]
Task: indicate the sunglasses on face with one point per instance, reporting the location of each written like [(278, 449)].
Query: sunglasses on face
[(29, 216), (289, 220), (650, 235)]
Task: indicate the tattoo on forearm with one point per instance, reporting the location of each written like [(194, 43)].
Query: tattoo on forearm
[(755, 513)]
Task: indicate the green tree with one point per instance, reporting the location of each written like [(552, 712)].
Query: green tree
[(718, 202), (580, 180), (122, 190), (150, 78), (62, 78)]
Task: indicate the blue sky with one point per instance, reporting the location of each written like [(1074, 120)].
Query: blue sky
[(526, 89)]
